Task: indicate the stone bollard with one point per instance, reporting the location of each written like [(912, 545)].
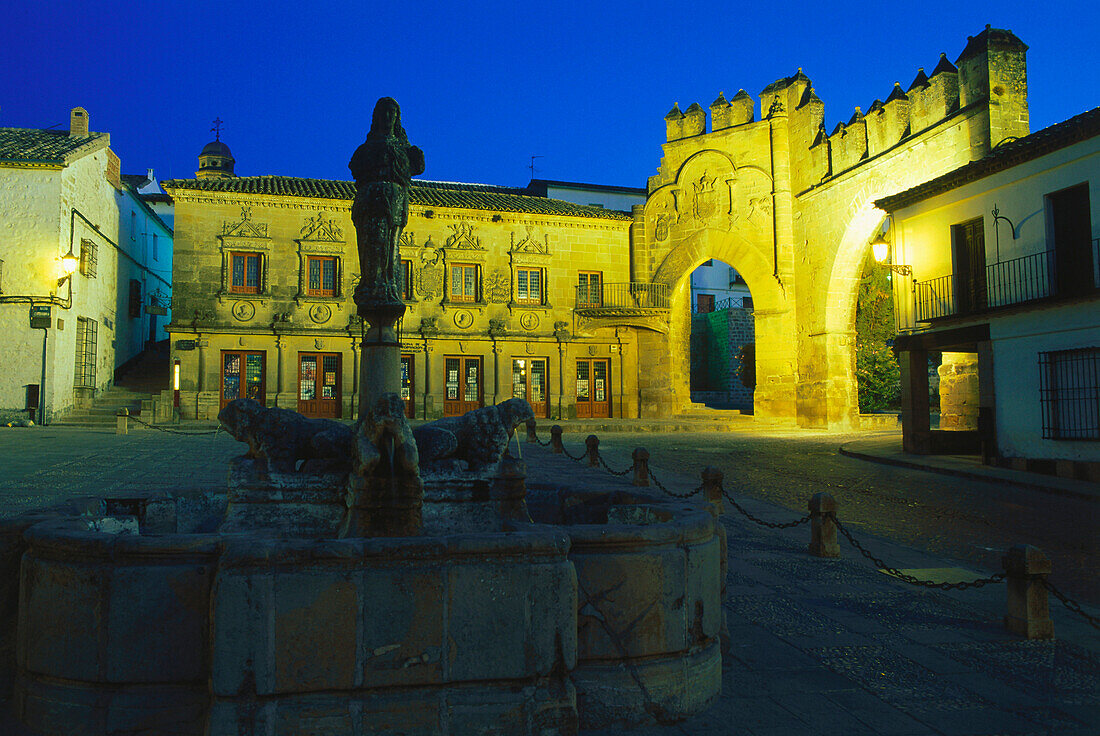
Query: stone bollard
[(592, 443), (555, 440), (823, 541), (1026, 568), (122, 421), (641, 466), (712, 488), (532, 425)]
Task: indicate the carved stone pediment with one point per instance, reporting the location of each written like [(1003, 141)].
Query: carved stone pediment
[(245, 227), (463, 237), (321, 229)]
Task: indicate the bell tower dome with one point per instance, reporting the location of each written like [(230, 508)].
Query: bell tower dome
[(215, 160)]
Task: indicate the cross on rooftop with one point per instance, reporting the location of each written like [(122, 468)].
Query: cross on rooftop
[(217, 129)]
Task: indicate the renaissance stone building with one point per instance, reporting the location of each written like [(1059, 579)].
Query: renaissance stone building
[(497, 286), (585, 310)]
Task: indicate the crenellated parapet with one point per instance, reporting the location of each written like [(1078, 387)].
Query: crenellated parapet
[(990, 73)]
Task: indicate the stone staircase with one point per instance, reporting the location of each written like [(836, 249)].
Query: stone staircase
[(134, 389), (105, 408), (701, 412)]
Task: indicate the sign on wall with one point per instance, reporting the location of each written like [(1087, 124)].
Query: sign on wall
[(41, 316)]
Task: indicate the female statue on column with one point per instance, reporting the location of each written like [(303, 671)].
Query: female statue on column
[(383, 168)]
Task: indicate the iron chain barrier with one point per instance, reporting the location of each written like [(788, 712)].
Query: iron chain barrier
[(195, 433), (1071, 604), (877, 562), (674, 494), (761, 522), (608, 467)]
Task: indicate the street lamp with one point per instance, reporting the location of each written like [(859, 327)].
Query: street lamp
[(69, 263), (880, 249)]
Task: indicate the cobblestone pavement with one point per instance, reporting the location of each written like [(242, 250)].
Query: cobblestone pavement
[(818, 647), (971, 520)]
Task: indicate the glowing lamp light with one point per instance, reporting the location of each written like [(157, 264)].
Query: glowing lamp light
[(880, 249), (69, 262)]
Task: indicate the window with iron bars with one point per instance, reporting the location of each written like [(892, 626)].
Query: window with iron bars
[(89, 258), (84, 375), (1069, 393)]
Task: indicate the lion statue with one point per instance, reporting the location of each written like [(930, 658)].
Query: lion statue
[(288, 440), (474, 441)]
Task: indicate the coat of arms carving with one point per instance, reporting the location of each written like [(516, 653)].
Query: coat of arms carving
[(704, 197)]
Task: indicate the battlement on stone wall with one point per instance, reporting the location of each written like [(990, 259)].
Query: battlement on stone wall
[(991, 72)]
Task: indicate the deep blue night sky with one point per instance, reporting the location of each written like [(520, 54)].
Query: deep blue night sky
[(484, 87)]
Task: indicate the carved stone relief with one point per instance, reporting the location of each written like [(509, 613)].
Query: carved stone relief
[(245, 227), (530, 243), (498, 286), (319, 228), (243, 311), (462, 237)]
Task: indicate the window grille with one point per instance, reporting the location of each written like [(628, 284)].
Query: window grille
[(89, 258), (1069, 393), (84, 375)]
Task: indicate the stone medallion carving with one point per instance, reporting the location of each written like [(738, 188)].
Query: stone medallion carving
[(529, 321), (243, 311), (591, 349), (463, 319), (530, 348), (319, 344), (320, 313)]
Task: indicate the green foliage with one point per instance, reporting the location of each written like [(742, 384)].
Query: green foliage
[(878, 375)]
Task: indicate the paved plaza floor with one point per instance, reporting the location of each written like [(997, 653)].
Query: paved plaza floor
[(817, 647)]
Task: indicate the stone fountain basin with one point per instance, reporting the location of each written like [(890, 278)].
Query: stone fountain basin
[(649, 603), (192, 632)]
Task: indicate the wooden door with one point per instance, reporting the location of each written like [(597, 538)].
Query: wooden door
[(319, 385), (529, 382), (593, 388), (970, 285), (462, 385), (407, 385), (243, 376), (1071, 223)]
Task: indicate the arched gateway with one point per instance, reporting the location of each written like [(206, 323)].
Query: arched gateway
[(791, 208)]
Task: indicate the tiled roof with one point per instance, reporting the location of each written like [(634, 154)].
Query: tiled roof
[(1014, 152), (31, 145), (424, 193)]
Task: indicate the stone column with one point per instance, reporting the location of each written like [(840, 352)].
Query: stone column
[(914, 401), (959, 397), (380, 366)]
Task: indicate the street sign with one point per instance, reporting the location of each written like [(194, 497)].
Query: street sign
[(41, 316), (155, 309), (186, 344)]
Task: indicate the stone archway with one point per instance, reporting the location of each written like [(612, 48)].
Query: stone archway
[(774, 325), (788, 202)]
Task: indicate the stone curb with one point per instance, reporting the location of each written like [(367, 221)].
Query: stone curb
[(987, 476)]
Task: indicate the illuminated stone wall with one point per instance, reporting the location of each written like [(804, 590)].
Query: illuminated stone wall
[(283, 321), (790, 207)]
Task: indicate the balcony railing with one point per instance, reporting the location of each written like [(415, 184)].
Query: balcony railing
[(733, 302), (619, 297), (1018, 281)]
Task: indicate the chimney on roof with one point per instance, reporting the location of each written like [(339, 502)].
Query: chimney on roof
[(78, 122)]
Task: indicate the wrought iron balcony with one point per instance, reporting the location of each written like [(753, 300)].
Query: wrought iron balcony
[(1021, 280), (625, 299)]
